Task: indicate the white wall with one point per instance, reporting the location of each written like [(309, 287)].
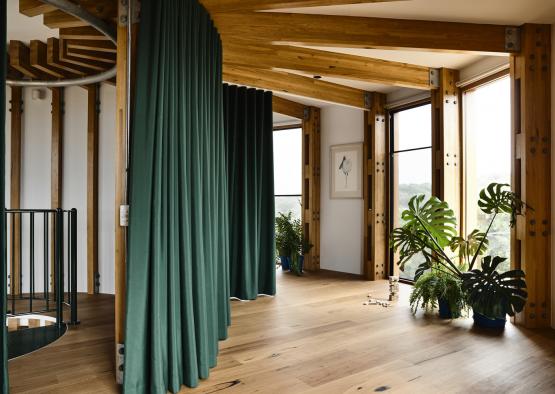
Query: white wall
[(35, 187), (341, 220)]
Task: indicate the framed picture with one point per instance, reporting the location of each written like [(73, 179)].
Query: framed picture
[(346, 171)]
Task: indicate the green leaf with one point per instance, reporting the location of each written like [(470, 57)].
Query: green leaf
[(498, 198), (469, 246), (492, 293), (434, 216)]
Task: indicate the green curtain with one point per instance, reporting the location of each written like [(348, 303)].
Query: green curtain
[(178, 253), (250, 160), (3, 275)]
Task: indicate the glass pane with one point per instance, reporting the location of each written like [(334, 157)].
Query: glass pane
[(288, 157), (289, 204), (487, 117), (413, 128), (412, 175)]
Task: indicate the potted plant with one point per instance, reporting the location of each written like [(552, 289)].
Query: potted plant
[(291, 245), (435, 289), (285, 238), (430, 230)]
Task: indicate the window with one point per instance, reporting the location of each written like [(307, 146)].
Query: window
[(487, 154), (411, 165), (288, 170)]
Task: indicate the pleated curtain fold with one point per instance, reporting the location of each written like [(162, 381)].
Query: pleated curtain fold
[(249, 139), (178, 253), (3, 274)]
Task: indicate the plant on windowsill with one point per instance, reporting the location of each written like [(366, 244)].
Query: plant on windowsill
[(430, 229)]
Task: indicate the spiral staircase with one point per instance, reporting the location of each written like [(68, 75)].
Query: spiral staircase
[(81, 50)]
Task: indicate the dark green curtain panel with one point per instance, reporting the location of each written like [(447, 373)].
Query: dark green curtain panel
[(3, 335), (178, 253), (250, 160)]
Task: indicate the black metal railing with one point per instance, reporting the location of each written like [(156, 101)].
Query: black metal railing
[(59, 253)]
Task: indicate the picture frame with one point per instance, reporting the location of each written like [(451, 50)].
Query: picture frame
[(346, 171)]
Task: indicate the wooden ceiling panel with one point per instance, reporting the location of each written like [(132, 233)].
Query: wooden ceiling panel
[(258, 5), (325, 63)]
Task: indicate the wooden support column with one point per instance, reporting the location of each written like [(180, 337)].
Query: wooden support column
[(15, 188), (120, 234), (311, 185), (446, 146), (531, 147), (56, 167), (93, 111), (375, 243)]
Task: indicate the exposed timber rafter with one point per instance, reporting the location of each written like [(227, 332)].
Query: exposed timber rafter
[(364, 32), (325, 63), (284, 82), (260, 5)]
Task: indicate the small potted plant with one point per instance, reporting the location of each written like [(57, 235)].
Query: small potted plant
[(430, 229), (285, 239), (435, 289)]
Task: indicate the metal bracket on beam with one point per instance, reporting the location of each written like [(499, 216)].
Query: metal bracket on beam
[(512, 39), (120, 360), (434, 78), (368, 100), (306, 113), (124, 11)]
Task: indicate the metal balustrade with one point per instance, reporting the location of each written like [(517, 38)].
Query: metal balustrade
[(57, 260)]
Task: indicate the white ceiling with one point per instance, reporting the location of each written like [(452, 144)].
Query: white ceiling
[(23, 28), (479, 11)]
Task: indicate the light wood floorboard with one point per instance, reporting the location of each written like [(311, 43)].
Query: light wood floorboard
[(317, 337)]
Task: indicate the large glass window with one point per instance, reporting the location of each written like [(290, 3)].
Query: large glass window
[(487, 148), (288, 170), (411, 166)]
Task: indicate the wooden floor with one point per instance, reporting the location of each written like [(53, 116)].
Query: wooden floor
[(317, 337)]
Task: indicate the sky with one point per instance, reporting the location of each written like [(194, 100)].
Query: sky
[(288, 161)]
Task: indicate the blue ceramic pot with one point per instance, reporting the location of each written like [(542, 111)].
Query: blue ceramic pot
[(285, 263), (444, 309), (484, 321)]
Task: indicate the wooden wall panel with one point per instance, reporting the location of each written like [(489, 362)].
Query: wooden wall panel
[(93, 111), (311, 185), (531, 129), (375, 244), (56, 165), (15, 188), (446, 146)]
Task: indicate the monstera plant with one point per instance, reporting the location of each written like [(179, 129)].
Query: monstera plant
[(429, 233)]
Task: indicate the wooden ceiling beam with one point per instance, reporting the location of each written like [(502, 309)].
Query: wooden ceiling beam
[(261, 5), (82, 33), (362, 32), (287, 107), (327, 63), (278, 81), (53, 59), (34, 7), (38, 60), (20, 59)]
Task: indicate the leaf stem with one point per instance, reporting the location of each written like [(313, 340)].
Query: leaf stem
[(481, 243)]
